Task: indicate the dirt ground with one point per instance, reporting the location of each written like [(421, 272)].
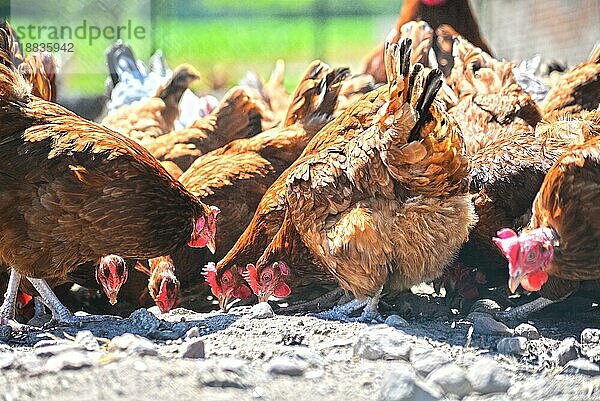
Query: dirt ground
[(249, 354)]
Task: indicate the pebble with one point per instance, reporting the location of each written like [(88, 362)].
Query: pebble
[(261, 311), (286, 366), (528, 331), (452, 379), (581, 366), (56, 349), (192, 333), (86, 340), (144, 320), (567, 351), (485, 324), (486, 376), (512, 345), (133, 344), (590, 336), (426, 361), (383, 342), (485, 306), (396, 321), (68, 360), (403, 385), (212, 373), (305, 355), (192, 349), (6, 360)]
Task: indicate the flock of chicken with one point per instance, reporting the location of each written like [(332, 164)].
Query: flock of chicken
[(349, 183)]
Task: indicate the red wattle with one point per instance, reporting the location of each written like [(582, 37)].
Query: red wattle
[(534, 281)]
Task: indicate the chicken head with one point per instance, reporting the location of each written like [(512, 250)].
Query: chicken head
[(205, 231), (111, 274), (268, 281), (225, 287), (163, 285), (529, 255)]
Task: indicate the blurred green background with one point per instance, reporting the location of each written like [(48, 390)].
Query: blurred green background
[(225, 38)]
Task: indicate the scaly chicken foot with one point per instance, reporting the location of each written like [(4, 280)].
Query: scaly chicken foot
[(60, 314), (521, 312), (8, 308), (40, 317), (325, 300), (343, 312)]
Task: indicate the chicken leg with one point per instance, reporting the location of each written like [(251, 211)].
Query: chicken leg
[(60, 314), (343, 312), (7, 310), (523, 311)]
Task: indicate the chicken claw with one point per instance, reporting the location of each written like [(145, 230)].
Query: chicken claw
[(343, 312), (8, 324), (60, 314), (521, 312)]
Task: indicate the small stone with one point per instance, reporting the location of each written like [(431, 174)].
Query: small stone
[(132, 344), (403, 385), (486, 376), (485, 324), (234, 365), (52, 350), (567, 351), (590, 336), (68, 360), (192, 349), (305, 355), (144, 320), (286, 366), (426, 361), (581, 366), (452, 379), (383, 342), (512, 345), (485, 306), (46, 343), (528, 331), (6, 360), (212, 374), (396, 321), (86, 340), (261, 311), (192, 333)]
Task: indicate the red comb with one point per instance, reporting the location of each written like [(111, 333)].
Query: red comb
[(508, 242), (210, 276), (251, 276), (23, 299)]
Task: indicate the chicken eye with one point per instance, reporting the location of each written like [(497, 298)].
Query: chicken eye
[(225, 280), (531, 256), (267, 277)]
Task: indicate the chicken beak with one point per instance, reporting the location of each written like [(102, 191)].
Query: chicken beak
[(112, 297), (514, 282), (212, 246), (224, 302), (263, 297)]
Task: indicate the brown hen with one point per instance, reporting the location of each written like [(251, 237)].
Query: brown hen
[(235, 176), (72, 191), (149, 118), (577, 90), (375, 208), (239, 115), (560, 247)]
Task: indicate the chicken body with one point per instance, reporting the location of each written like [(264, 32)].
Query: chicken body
[(374, 209), (270, 212), (235, 176), (149, 118), (239, 115), (69, 187), (491, 104), (577, 90)]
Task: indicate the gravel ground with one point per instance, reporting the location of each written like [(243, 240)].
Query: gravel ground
[(252, 353)]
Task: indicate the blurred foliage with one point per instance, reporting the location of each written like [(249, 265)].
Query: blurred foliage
[(225, 38)]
